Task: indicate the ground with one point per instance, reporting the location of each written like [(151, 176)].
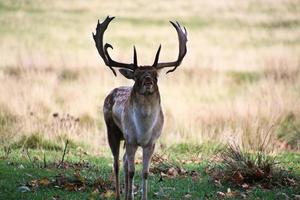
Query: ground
[(26, 169)]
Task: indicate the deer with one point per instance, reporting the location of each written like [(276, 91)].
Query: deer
[(134, 114)]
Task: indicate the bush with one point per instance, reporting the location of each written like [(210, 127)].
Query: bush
[(241, 168)]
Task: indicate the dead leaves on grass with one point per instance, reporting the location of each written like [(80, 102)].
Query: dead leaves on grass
[(248, 171), (164, 167), (104, 188), (75, 182)]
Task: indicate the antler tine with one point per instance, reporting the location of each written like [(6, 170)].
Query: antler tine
[(102, 49), (182, 38), (134, 56), (157, 56)]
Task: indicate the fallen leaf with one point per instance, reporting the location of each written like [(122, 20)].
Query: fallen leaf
[(259, 173), (238, 177), (70, 187), (221, 194), (33, 183), (108, 194), (245, 186), (44, 182), (232, 194), (172, 172)]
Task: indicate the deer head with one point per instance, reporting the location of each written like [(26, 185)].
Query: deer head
[(145, 77)]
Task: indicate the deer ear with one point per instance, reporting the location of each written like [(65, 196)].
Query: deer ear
[(127, 73)]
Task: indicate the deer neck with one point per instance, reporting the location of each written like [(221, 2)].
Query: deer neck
[(145, 111), (145, 105)]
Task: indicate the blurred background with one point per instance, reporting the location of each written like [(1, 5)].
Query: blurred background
[(240, 80)]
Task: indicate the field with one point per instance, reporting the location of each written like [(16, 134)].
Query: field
[(239, 82)]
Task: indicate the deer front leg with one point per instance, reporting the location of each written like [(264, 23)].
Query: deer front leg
[(147, 154), (129, 173), (125, 167)]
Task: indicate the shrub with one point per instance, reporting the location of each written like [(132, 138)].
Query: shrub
[(241, 168)]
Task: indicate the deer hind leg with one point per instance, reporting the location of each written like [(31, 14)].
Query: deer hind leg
[(114, 138)]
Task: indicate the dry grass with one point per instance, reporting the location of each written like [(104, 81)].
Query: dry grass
[(239, 81), (245, 169)]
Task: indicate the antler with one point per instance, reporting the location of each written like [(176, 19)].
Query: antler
[(98, 37), (182, 37)]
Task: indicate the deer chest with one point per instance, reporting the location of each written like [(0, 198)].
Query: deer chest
[(145, 125)]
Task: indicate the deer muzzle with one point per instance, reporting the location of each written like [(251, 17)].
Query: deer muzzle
[(148, 82)]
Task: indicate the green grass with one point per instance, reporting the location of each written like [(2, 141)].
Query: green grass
[(190, 149), (17, 170), (36, 141)]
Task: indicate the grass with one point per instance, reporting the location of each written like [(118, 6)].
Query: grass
[(289, 130), (20, 171), (244, 167), (35, 141)]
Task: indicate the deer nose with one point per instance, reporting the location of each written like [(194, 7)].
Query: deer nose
[(148, 80)]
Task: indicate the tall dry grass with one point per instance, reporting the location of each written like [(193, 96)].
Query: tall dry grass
[(239, 81)]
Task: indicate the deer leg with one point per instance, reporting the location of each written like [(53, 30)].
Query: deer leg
[(114, 143), (130, 154), (116, 172), (147, 154), (125, 166)]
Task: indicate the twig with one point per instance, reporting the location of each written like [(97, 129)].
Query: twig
[(63, 156), (28, 155), (7, 151), (45, 163), (262, 146)]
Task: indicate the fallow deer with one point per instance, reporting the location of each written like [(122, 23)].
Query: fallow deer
[(134, 114)]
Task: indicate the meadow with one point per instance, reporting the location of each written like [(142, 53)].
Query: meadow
[(239, 82)]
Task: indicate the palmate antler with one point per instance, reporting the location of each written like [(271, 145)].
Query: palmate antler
[(98, 37), (102, 49), (182, 38)]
